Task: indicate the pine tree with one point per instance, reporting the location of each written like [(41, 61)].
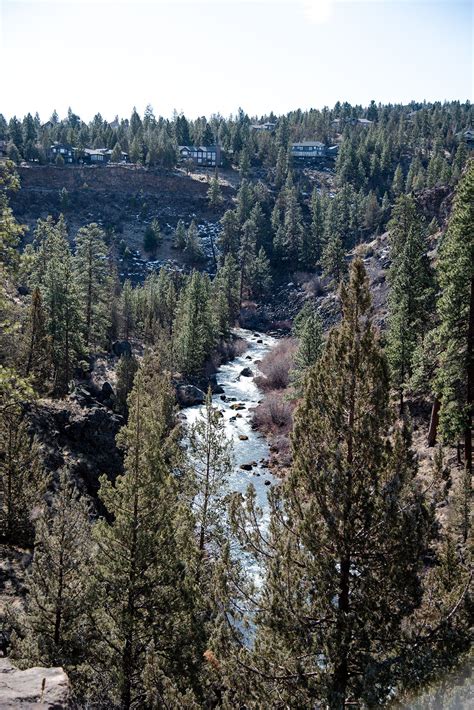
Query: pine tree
[(92, 273), (226, 298), (62, 301), (398, 184), (308, 328), (53, 626), (194, 332), (36, 343), (179, 237), (126, 371), (411, 292), (22, 482), (229, 236), (333, 258), (247, 253), (292, 228), (10, 233), (214, 193), (346, 532), (127, 309), (210, 457), (245, 202), (193, 248), (317, 229), (454, 382), (260, 275), (116, 156), (144, 569), (152, 238)]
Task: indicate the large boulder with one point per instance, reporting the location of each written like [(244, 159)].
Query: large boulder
[(189, 395), (246, 372), (38, 688)]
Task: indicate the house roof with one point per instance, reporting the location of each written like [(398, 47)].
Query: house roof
[(208, 149), (56, 144), (316, 144)]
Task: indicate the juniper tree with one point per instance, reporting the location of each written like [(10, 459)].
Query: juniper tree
[(346, 533), (52, 629), (146, 554), (92, 272), (454, 381)]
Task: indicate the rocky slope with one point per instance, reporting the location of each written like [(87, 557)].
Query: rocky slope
[(39, 688)]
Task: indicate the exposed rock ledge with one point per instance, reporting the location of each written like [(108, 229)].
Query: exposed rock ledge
[(39, 688)]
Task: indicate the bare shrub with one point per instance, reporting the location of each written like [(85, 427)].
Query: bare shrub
[(273, 414), (275, 367), (314, 287), (281, 450)]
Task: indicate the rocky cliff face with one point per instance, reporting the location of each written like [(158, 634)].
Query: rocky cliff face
[(79, 433), (38, 688)]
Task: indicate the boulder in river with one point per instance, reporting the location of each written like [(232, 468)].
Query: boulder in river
[(33, 687), (189, 395), (268, 483), (223, 398), (246, 372), (237, 406), (243, 437), (246, 466)]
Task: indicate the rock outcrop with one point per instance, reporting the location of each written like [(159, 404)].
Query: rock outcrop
[(38, 688), (189, 395), (79, 433)]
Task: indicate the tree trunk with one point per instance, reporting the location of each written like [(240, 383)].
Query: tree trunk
[(59, 601), (341, 667), (434, 420)]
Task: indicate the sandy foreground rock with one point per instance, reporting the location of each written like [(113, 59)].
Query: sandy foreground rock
[(40, 688)]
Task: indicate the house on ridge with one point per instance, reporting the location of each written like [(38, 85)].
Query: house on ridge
[(205, 156)]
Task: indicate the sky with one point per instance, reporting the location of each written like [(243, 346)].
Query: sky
[(213, 56)]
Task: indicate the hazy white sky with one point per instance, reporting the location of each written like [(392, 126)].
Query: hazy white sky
[(209, 56)]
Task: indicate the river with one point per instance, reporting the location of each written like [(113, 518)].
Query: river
[(249, 446)]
